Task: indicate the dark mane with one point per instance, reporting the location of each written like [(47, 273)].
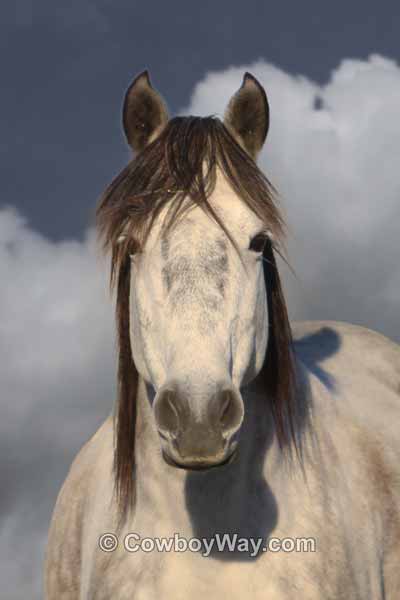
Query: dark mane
[(178, 169)]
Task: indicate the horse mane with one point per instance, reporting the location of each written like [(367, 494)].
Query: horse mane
[(180, 165)]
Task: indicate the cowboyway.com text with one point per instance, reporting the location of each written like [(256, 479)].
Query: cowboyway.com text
[(133, 542)]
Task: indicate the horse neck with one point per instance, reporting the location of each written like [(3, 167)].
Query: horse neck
[(182, 498)]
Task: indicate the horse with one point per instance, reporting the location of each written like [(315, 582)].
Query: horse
[(246, 455)]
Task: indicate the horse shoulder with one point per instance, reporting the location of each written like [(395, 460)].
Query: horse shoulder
[(357, 370), (354, 374), (64, 547)]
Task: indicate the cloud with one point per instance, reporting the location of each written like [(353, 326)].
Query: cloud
[(57, 381), (336, 168), (75, 15)]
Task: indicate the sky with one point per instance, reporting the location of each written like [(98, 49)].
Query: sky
[(332, 77)]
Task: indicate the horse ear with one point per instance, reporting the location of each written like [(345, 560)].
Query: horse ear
[(144, 113), (247, 115)]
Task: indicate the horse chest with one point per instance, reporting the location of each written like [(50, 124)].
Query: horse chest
[(176, 571), (179, 576)]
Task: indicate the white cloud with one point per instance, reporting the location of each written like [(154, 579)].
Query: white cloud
[(57, 381), (337, 170)]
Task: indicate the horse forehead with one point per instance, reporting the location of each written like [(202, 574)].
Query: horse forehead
[(236, 216), (197, 256), (194, 239), (199, 262)]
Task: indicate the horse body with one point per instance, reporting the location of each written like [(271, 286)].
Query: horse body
[(225, 425), (347, 499)]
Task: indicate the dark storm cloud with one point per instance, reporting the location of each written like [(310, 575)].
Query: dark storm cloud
[(65, 67)]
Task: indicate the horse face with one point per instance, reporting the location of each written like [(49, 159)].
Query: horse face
[(199, 328)]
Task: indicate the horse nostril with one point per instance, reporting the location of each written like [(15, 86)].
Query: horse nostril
[(225, 407), (166, 412), (230, 411)]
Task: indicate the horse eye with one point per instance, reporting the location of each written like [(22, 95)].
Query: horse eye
[(257, 244)]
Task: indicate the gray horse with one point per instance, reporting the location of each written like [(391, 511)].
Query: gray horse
[(247, 457)]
